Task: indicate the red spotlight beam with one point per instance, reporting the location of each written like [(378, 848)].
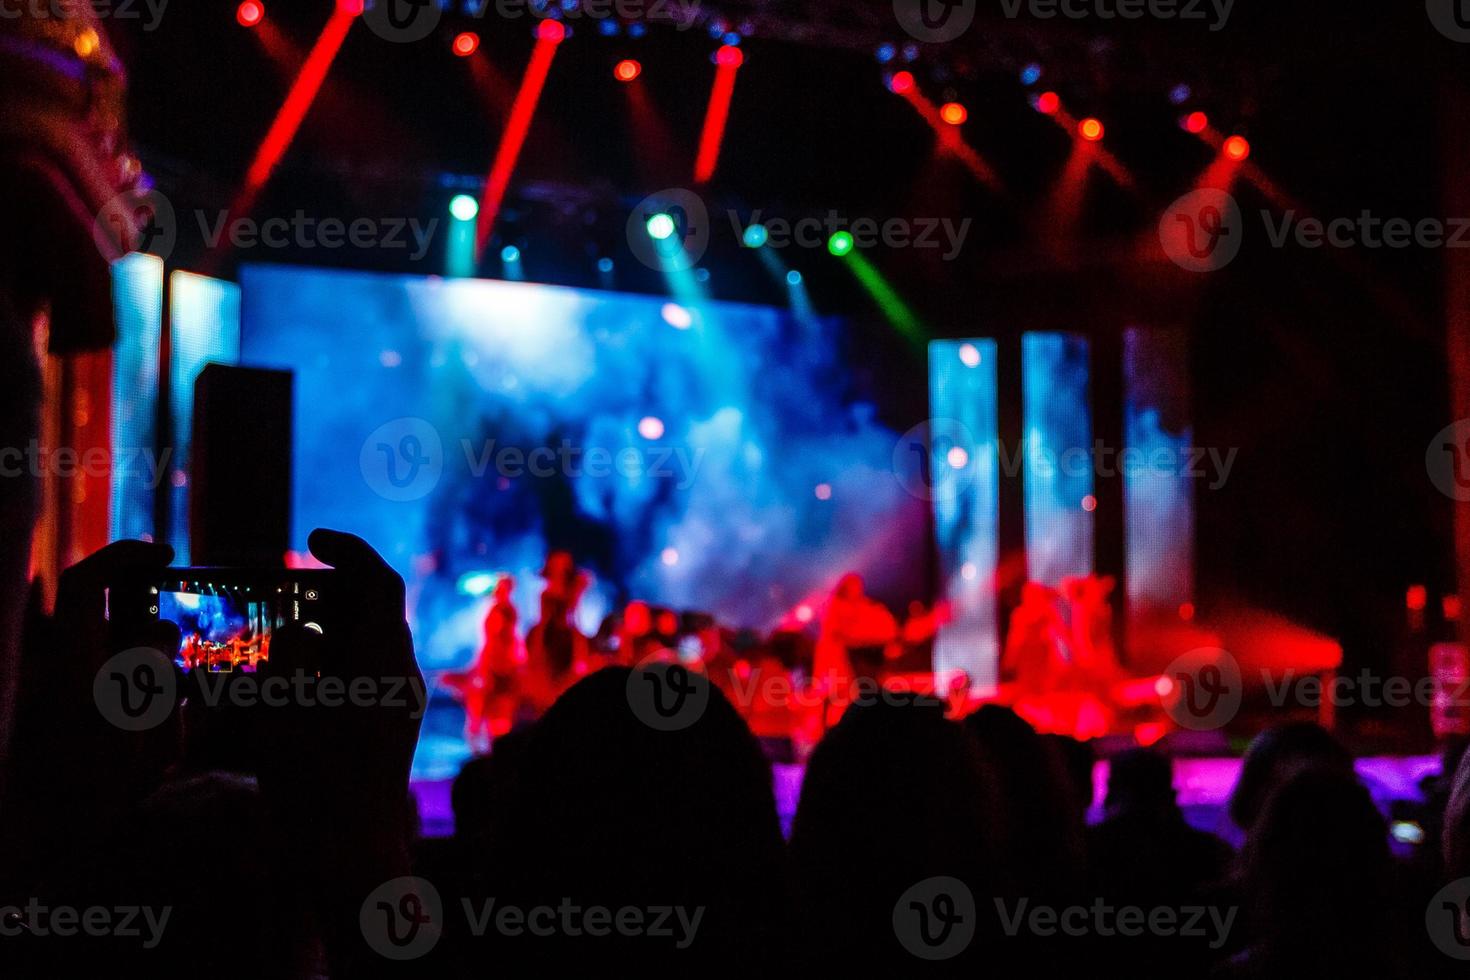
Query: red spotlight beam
[(1097, 152), (950, 139), (298, 101), (727, 62), (549, 35)]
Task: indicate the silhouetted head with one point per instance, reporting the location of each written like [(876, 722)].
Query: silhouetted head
[(504, 586), (1275, 756), (1078, 761), (1318, 869), (1043, 823), (893, 795), (487, 788), (618, 812), (1140, 781), (849, 587)]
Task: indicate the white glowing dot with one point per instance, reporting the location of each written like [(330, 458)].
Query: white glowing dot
[(1089, 503), (651, 427), (970, 355), (957, 457), (670, 557), (677, 317), (823, 491), (968, 571), (390, 358), (803, 614)]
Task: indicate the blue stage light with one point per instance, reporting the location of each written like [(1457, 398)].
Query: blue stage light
[(731, 39), (510, 254), (1031, 74), (637, 29), (885, 53), (793, 278), (609, 27), (604, 265), (462, 207), (1180, 94), (755, 236), (661, 227)]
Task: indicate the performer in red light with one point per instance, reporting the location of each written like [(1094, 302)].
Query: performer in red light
[(1094, 656), (853, 627), (636, 636), (556, 652), (1036, 656)]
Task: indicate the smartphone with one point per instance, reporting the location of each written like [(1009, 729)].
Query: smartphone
[(227, 616)]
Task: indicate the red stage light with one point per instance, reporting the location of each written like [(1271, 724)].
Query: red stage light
[(1090, 129), (1237, 148), (954, 113), (730, 55), (901, 83), (466, 43), (1048, 103), (1089, 503), (627, 70), (550, 30), (1195, 122), (352, 7), (250, 13), (1416, 598)]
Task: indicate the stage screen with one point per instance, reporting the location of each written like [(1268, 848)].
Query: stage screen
[(713, 457)]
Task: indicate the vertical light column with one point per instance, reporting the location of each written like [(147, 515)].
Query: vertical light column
[(204, 328), (137, 295), (962, 476), (1058, 457), (1158, 494)]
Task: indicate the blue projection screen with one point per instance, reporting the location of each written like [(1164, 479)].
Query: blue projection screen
[(965, 483), (1057, 419), (710, 458)]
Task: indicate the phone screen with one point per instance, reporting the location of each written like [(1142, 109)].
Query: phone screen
[(226, 621)]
